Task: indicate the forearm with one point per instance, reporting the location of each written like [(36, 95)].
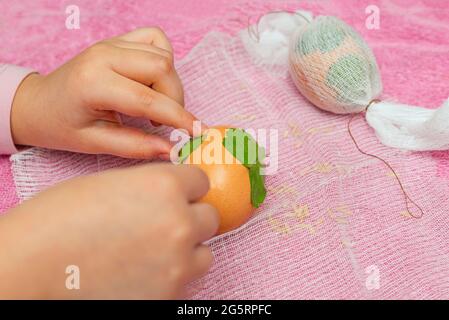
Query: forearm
[(25, 112), (32, 263)]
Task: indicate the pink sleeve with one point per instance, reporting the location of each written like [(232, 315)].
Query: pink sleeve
[(10, 79)]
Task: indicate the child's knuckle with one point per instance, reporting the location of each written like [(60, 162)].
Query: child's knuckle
[(170, 184), (140, 149), (183, 232), (84, 72), (164, 64), (144, 97), (99, 50), (156, 30), (84, 75)]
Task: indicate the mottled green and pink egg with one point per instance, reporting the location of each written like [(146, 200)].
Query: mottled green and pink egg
[(333, 67)]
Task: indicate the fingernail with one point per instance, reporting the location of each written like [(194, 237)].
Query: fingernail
[(204, 127), (198, 128)]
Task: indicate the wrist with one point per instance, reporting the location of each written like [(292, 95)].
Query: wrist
[(25, 109)]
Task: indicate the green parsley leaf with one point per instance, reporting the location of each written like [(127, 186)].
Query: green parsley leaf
[(189, 147), (245, 149), (258, 191)]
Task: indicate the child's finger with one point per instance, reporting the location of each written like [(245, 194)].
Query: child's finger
[(206, 220), (194, 183), (151, 69), (137, 100), (142, 47), (201, 262), (125, 142), (154, 36)]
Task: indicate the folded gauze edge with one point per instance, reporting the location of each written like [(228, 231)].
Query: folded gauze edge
[(314, 48)]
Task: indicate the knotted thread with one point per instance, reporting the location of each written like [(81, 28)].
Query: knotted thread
[(406, 196)]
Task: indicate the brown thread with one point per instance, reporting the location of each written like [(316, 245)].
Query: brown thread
[(256, 33), (370, 103), (406, 196)]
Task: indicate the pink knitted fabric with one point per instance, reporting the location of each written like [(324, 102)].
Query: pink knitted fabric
[(333, 225), (48, 43)]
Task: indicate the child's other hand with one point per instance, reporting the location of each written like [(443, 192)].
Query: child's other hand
[(139, 239), (75, 107)]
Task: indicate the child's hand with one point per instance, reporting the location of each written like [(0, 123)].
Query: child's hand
[(75, 107), (133, 233)]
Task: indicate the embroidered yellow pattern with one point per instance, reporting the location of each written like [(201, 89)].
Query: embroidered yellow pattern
[(324, 167), (391, 174), (293, 130), (294, 127), (344, 169), (244, 117), (282, 190), (340, 214), (321, 130), (300, 212), (347, 243), (278, 226), (406, 214), (308, 227), (302, 220), (318, 167), (298, 144), (243, 86), (319, 222)]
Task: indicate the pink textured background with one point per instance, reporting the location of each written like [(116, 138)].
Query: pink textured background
[(414, 68), (412, 48)]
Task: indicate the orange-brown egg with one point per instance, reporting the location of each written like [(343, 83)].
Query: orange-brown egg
[(230, 188)]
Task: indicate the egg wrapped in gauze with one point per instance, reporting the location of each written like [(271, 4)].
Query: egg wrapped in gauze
[(333, 67), (231, 159)]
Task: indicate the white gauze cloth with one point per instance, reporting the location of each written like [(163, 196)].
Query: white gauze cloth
[(333, 224)]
